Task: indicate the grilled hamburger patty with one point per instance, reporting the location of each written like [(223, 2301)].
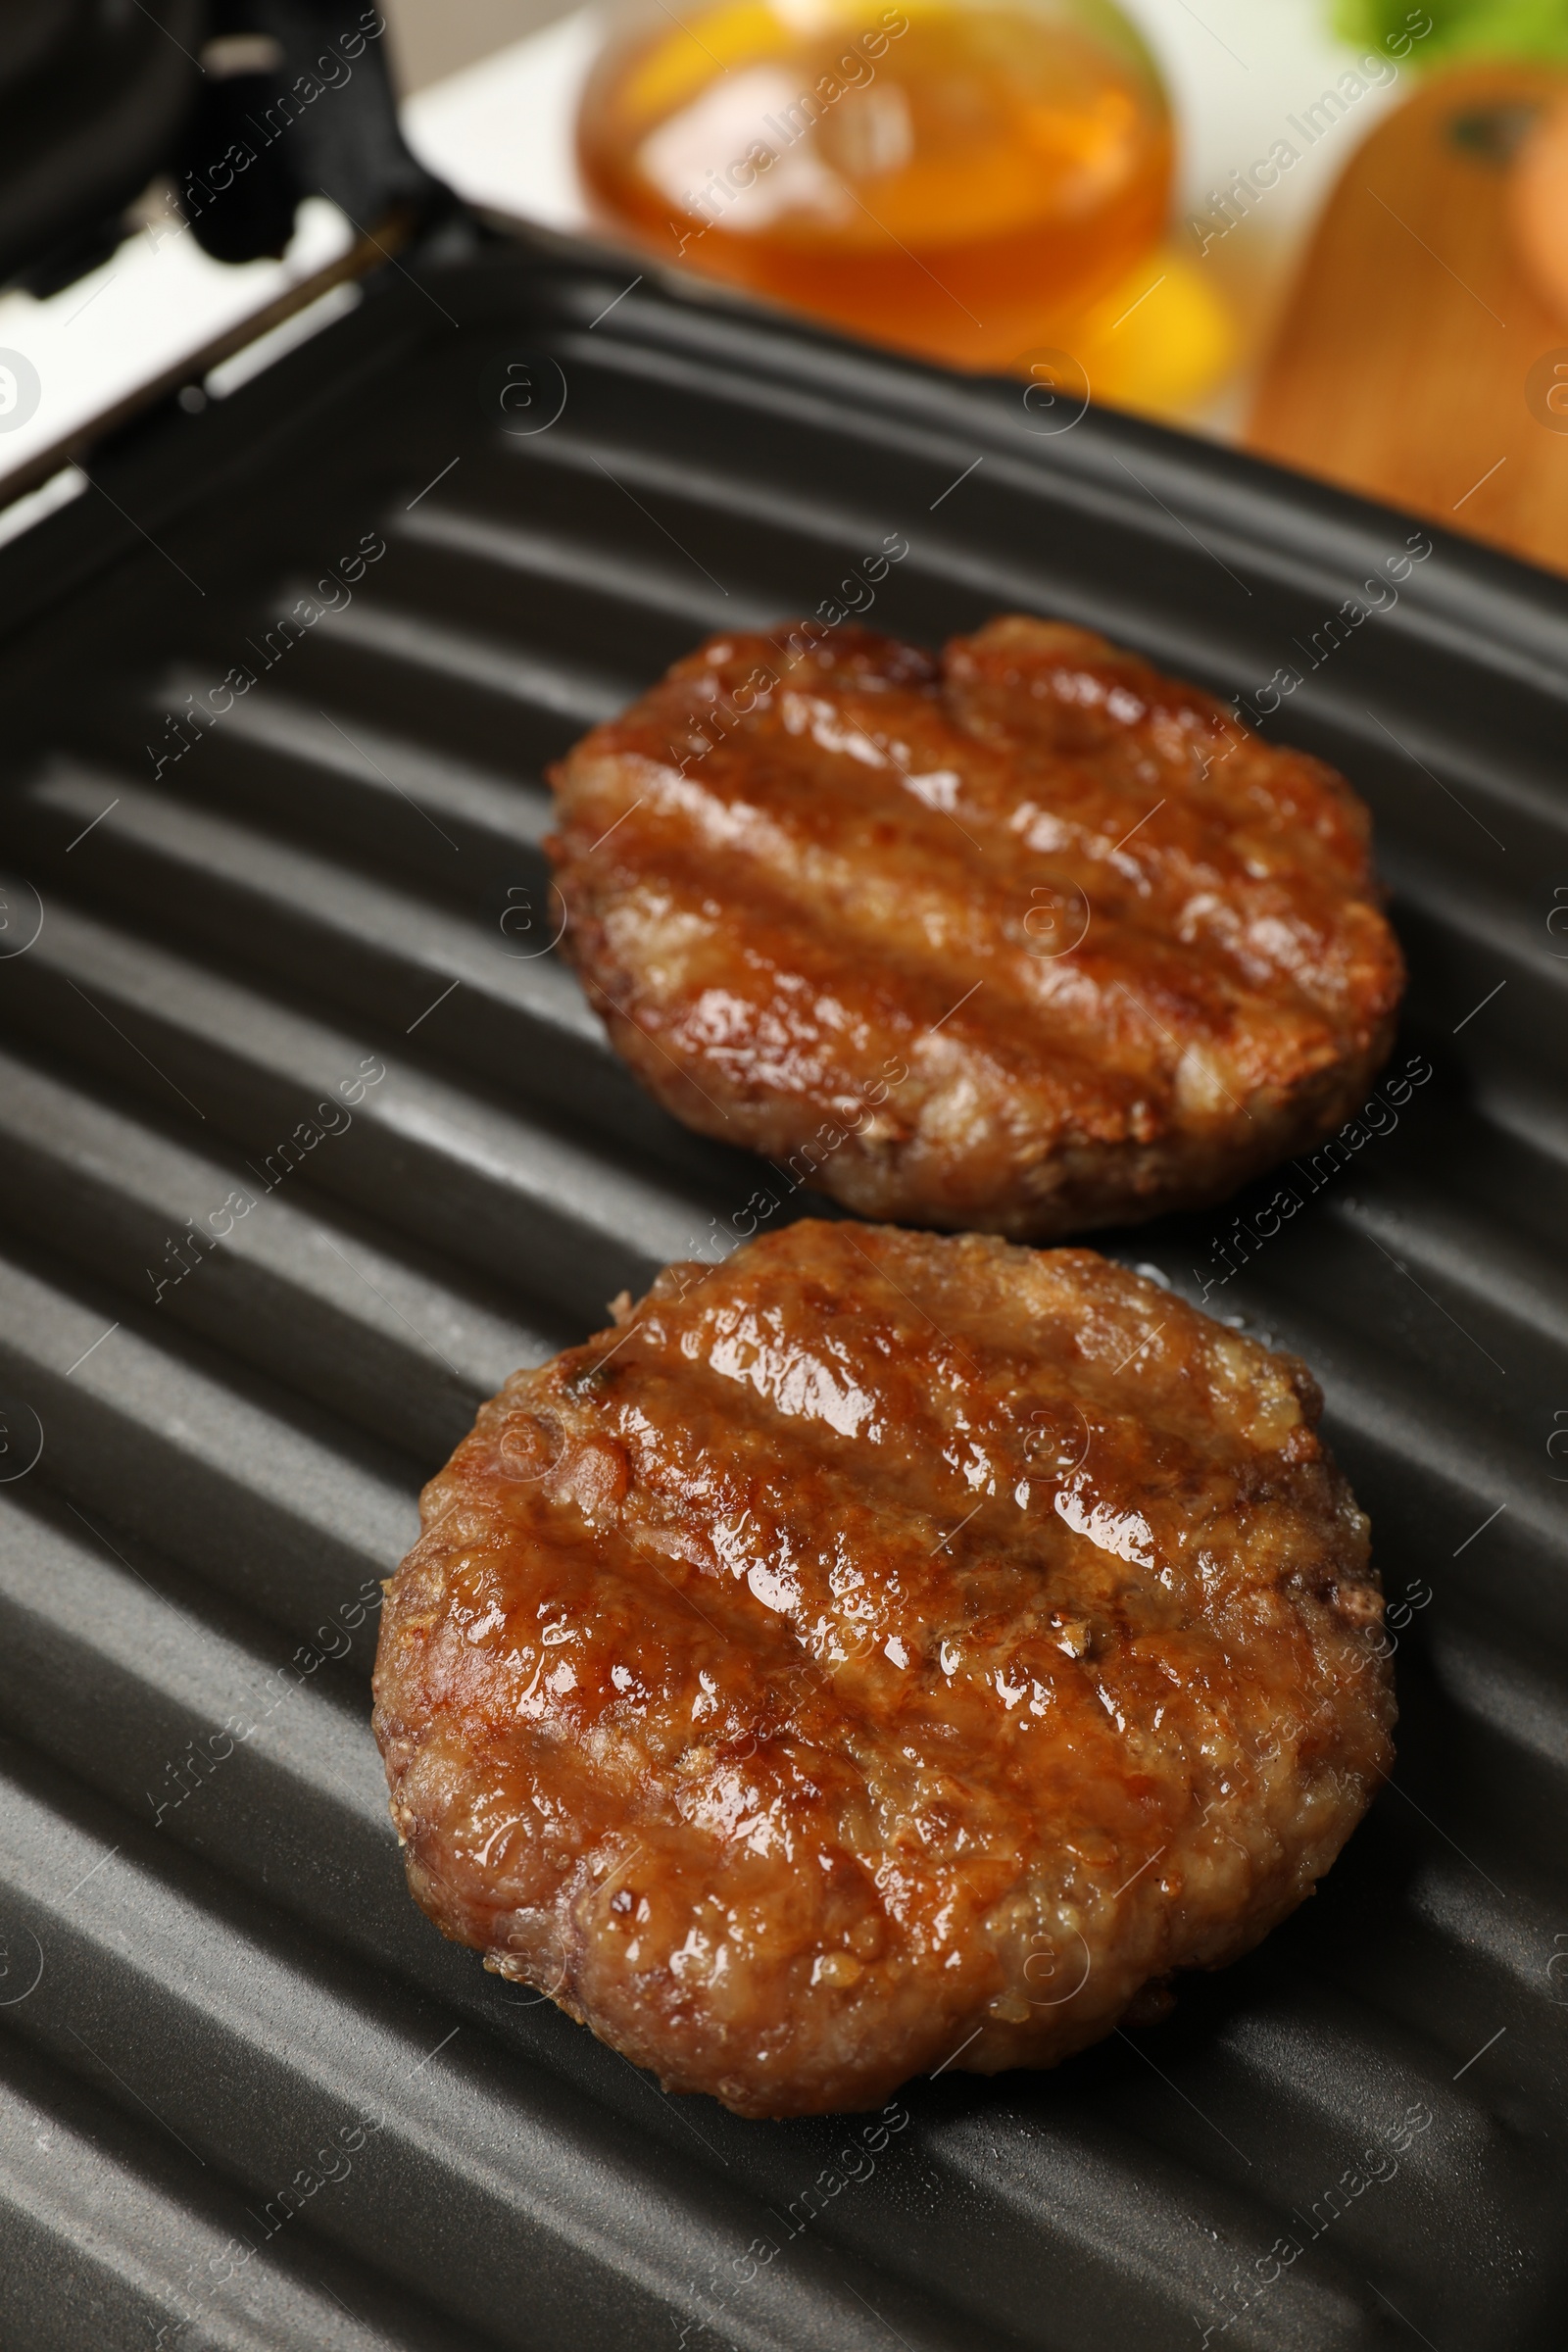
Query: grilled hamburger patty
[(881, 1650), (1022, 940)]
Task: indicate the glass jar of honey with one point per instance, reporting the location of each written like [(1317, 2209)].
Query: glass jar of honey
[(964, 179)]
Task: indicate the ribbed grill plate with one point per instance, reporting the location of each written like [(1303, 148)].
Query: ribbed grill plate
[(248, 2097)]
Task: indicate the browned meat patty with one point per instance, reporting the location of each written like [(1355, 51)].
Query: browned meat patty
[(881, 1651), (1024, 939)]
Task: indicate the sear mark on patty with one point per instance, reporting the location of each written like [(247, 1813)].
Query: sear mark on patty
[(908, 1643), (1023, 940)]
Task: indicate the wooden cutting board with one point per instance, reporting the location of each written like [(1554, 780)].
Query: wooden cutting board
[(1415, 354)]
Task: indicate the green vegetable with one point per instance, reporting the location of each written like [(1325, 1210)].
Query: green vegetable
[(1459, 27)]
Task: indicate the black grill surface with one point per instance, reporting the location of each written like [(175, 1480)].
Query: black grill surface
[(295, 951)]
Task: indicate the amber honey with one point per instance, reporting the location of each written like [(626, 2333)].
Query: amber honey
[(962, 182)]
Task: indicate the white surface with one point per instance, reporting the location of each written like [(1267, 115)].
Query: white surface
[(157, 302), (1234, 75), (502, 133)]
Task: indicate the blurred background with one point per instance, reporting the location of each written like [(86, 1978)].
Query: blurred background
[(1332, 232)]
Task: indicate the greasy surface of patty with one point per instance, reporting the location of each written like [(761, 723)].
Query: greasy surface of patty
[(1024, 941), (881, 1650)]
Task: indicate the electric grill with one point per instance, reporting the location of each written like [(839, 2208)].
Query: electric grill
[(280, 689)]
